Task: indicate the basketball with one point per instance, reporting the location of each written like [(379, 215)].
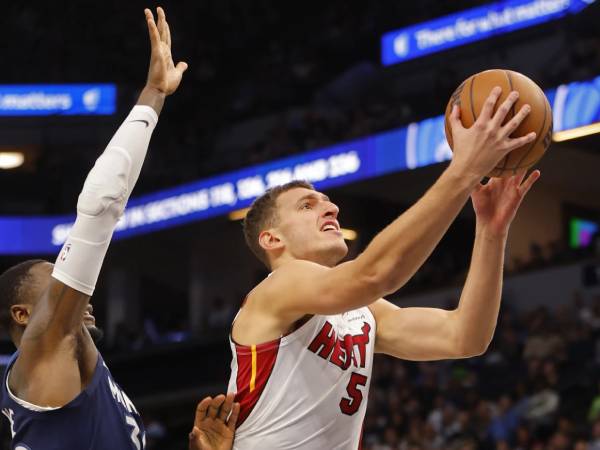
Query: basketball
[(470, 96)]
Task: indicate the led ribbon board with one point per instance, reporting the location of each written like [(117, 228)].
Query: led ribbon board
[(416, 145), (472, 25), (57, 99)]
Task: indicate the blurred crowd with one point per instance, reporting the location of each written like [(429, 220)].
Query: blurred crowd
[(536, 388)]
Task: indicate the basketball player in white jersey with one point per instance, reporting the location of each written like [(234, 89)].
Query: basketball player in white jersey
[(304, 340)]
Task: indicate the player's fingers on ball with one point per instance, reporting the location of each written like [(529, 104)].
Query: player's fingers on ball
[(488, 106), (504, 108), (215, 404), (513, 123), (455, 122), (519, 142), (235, 412)]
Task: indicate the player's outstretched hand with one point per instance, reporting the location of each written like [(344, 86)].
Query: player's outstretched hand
[(163, 75), (497, 202), (478, 149), (214, 425)]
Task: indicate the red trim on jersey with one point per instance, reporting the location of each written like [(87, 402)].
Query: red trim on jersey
[(360, 440), (252, 377)]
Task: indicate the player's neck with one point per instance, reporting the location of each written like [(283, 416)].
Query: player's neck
[(286, 258)]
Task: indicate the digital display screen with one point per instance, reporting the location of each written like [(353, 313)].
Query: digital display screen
[(57, 99), (416, 145), (581, 232), (472, 25)]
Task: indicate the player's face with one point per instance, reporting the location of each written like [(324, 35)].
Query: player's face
[(40, 276), (308, 225)]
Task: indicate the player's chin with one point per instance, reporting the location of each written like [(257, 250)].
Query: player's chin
[(96, 333)]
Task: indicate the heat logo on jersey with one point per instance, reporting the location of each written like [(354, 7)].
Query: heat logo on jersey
[(340, 350)]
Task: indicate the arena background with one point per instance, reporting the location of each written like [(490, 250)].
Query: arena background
[(273, 80)]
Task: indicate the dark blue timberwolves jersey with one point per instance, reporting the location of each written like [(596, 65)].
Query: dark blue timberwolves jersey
[(100, 418)]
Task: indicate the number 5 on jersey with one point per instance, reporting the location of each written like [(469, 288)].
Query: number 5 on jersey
[(349, 406)]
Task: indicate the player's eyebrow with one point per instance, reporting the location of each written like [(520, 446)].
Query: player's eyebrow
[(313, 196)]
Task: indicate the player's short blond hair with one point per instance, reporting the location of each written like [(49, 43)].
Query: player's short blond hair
[(263, 214)]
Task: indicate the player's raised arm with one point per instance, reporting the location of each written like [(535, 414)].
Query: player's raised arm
[(396, 253), (55, 327), (429, 333)]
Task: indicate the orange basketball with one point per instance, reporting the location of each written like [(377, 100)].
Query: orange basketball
[(471, 96)]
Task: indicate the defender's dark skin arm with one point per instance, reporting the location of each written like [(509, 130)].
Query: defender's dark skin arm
[(57, 357)]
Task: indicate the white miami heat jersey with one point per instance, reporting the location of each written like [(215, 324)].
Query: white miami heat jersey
[(307, 390)]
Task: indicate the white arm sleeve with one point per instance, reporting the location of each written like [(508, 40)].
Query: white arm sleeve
[(102, 201)]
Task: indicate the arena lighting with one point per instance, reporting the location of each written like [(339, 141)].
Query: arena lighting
[(349, 234), (238, 214), (11, 160), (575, 133)]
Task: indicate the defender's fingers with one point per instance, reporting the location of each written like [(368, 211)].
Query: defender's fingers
[(215, 404), (162, 24), (152, 30), (201, 410), (235, 412), (168, 30), (181, 67), (490, 103), (513, 123), (530, 181), (504, 108), (227, 406)]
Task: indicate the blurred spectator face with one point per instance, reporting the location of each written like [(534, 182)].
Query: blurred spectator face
[(581, 445), (596, 430), (559, 441), (390, 437), (504, 404), (502, 445)]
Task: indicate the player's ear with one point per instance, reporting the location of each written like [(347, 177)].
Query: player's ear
[(20, 314), (269, 240)]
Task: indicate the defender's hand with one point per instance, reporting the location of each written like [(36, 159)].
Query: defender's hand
[(163, 75), (497, 202), (214, 427), (478, 149)]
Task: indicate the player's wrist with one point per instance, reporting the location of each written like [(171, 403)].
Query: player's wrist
[(462, 177), (491, 233), (153, 97)]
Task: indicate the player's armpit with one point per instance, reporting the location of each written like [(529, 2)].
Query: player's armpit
[(417, 334), (303, 287), (47, 372), (58, 314)]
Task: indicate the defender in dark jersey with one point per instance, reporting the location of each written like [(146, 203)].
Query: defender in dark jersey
[(57, 392)]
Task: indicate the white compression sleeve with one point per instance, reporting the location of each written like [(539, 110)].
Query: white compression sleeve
[(102, 201)]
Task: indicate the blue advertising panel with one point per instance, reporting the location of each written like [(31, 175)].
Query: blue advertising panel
[(472, 25), (57, 99), (416, 145)]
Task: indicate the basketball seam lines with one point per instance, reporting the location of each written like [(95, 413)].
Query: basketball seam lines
[(533, 144), (505, 162), (471, 98)]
